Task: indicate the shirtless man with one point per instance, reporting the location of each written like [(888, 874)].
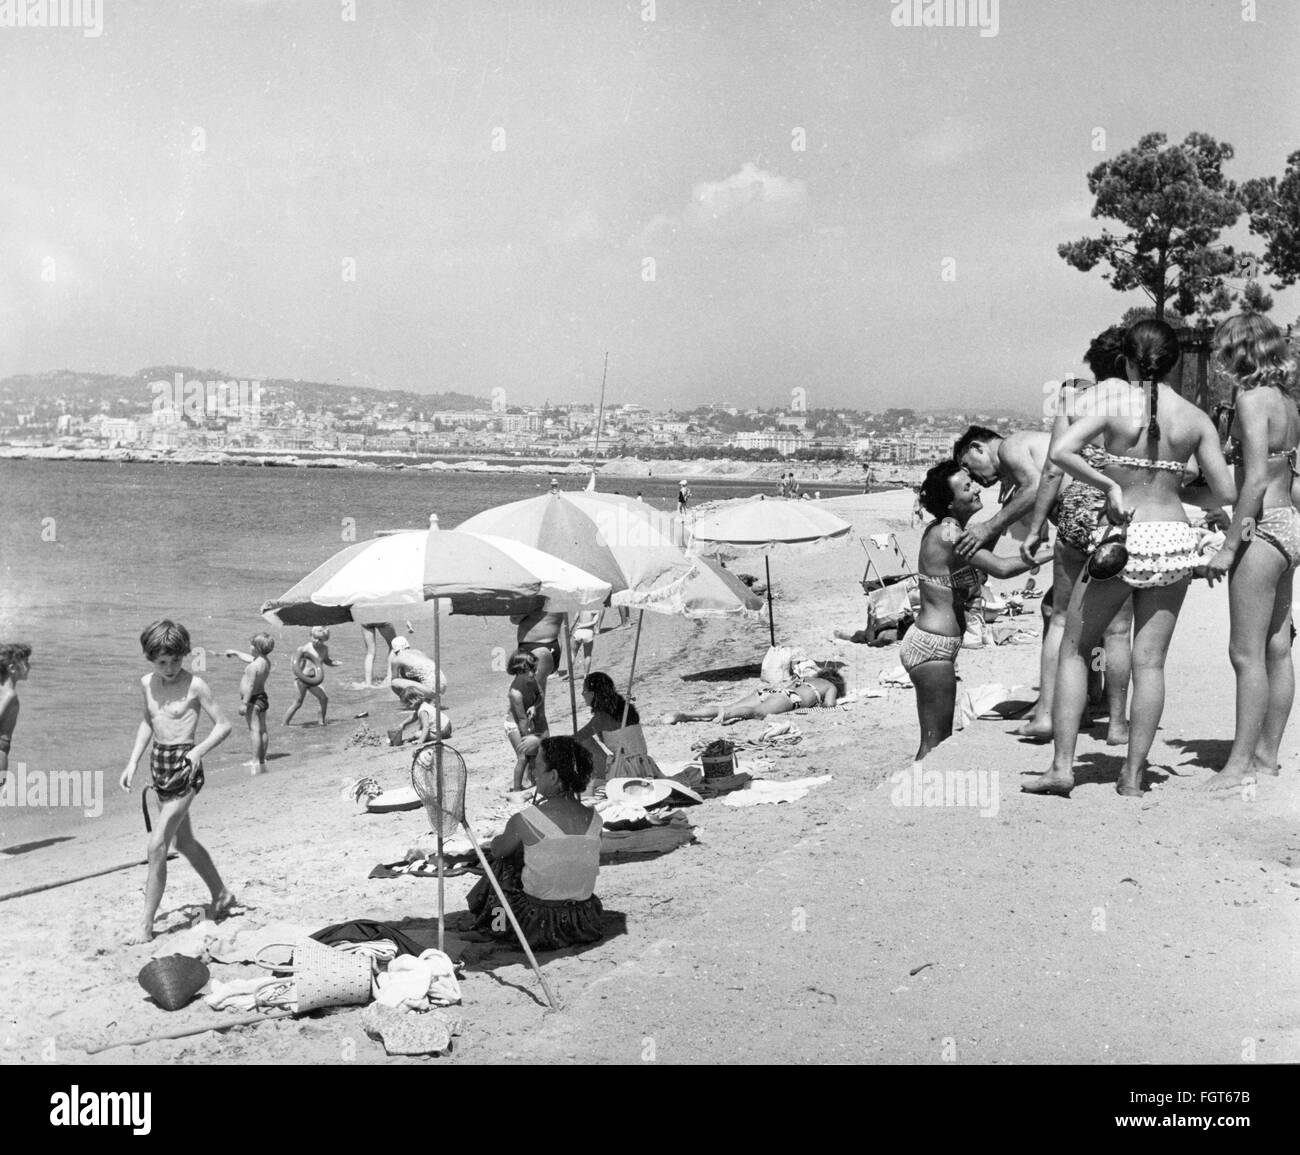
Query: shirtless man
[(539, 635), (173, 698), (1017, 461)]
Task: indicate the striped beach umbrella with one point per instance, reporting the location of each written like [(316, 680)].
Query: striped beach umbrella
[(402, 574)]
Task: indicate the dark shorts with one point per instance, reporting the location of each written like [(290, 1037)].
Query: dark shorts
[(259, 703), (553, 646), (171, 771)]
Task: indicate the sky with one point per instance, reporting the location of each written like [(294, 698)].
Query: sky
[(734, 200)]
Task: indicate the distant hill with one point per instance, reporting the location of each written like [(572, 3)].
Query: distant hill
[(79, 389)]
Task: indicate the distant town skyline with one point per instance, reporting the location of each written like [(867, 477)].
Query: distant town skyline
[(734, 201)]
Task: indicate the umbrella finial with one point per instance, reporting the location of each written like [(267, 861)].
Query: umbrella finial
[(433, 521)]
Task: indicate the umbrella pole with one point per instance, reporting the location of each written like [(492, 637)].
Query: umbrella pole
[(573, 693), (631, 677), (771, 621), (437, 759)]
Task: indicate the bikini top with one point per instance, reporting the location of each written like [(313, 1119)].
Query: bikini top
[(1144, 463), (1232, 454), (821, 694), (964, 582)]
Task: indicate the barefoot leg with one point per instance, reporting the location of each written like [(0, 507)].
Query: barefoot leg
[(1155, 613), (1067, 563), (171, 816), (936, 700), (1117, 648), (1281, 680), (1252, 599)]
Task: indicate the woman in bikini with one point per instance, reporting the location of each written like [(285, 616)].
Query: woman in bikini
[(814, 686), (1149, 433), (948, 588), (1260, 567), (1076, 509)]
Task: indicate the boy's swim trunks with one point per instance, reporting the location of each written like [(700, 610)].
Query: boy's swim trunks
[(171, 771), (259, 703)]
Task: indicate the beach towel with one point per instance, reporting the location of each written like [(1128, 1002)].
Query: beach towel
[(452, 865), (366, 930), (241, 946), (759, 791)]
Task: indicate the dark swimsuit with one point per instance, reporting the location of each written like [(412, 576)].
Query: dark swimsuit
[(259, 702)]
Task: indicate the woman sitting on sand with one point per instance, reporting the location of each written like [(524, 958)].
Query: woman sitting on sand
[(1265, 432), (1149, 433), (948, 588), (617, 750), (547, 859), (813, 686)]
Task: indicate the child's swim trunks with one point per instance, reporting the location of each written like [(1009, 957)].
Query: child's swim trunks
[(171, 771), (259, 703)]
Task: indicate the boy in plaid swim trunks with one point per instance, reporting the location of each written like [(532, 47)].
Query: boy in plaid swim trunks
[(173, 698)]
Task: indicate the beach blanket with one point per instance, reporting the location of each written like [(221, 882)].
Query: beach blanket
[(660, 838), (759, 791), (452, 865)]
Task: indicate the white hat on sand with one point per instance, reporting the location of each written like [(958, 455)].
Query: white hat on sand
[(399, 644), (645, 791)]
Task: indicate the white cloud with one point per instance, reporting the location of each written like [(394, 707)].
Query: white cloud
[(748, 201)]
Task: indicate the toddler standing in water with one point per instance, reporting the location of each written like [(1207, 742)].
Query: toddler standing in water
[(309, 662), (253, 702), (173, 698)]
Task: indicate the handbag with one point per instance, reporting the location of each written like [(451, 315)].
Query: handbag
[(1110, 555), (323, 976)]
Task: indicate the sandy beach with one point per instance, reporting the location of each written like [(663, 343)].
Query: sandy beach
[(840, 927)]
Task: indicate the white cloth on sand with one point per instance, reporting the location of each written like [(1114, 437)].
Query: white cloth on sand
[(761, 790), (415, 983)]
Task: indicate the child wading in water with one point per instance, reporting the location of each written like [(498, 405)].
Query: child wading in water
[(15, 664), (253, 702), (173, 698), (309, 662)]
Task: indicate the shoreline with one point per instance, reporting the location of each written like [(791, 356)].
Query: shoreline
[(714, 470)]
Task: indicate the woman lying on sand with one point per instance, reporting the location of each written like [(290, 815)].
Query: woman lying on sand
[(1149, 433), (948, 588), (1265, 432), (814, 686)]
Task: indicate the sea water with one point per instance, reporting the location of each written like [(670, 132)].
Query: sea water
[(92, 552)]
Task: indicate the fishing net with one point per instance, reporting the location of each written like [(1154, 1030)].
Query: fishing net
[(444, 805)]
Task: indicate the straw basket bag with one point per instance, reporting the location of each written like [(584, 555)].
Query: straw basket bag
[(718, 759), (323, 976)]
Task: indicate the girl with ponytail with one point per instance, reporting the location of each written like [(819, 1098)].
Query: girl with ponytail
[(1149, 434)]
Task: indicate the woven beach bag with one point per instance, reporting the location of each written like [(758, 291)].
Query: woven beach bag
[(323, 976), (174, 980)]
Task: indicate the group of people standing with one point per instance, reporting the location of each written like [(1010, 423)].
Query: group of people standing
[(1135, 454)]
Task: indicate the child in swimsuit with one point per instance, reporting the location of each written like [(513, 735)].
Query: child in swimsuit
[(526, 724), (253, 702), (930, 647), (310, 660), (173, 700), (15, 664)]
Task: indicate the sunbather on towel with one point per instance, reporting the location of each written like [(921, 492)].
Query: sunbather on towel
[(805, 692)]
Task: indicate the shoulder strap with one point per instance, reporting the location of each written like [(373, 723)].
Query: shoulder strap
[(540, 823)]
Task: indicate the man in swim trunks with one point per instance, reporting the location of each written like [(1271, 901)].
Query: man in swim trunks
[(1017, 461), (539, 635), (253, 701)]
